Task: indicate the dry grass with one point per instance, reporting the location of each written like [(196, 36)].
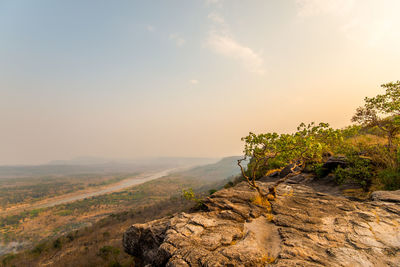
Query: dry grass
[(270, 217), (367, 139), (262, 202), (356, 193), (267, 259)]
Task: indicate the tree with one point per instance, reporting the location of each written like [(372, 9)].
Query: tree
[(307, 145), (382, 111)]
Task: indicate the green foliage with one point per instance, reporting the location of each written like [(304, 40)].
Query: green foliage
[(359, 171), (318, 170), (380, 115), (351, 131), (390, 179), (383, 112), (362, 145), (388, 103), (212, 191), (307, 145), (190, 195)]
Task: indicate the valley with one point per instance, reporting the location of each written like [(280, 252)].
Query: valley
[(28, 226), (113, 184)]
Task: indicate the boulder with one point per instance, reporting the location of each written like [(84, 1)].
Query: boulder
[(333, 162), (297, 179), (274, 174), (388, 196), (151, 236), (287, 170)]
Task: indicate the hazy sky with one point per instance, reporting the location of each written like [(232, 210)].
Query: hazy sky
[(183, 78)]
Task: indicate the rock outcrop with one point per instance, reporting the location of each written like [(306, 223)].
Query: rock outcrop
[(333, 162), (388, 196), (302, 227)]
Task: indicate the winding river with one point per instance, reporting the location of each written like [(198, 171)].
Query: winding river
[(112, 188), (126, 183)]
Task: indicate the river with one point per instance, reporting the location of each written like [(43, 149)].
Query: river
[(112, 188), (50, 202)]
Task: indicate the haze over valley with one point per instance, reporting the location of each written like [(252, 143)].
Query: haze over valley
[(64, 198), (199, 133)]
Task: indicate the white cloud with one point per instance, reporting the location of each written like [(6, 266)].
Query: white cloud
[(216, 18), (150, 28), (306, 8), (179, 41), (194, 82), (230, 48), (220, 41), (213, 2)]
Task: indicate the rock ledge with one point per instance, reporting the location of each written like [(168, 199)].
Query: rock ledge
[(306, 228)]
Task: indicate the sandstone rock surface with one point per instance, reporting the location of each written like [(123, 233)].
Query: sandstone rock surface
[(305, 228), (389, 196)]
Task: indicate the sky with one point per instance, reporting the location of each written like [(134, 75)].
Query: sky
[(129, 79)]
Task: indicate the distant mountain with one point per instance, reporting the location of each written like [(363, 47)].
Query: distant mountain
[(90, 165), (222, 169), (140, 161), (81, 161)]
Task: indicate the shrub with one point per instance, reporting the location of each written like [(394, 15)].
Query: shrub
[(317, 169), (57, 243), (390, 179), (190, 195), (359, 171), (38, 249), (212, 191)]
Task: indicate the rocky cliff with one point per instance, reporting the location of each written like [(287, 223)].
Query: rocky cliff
[(302, 227)]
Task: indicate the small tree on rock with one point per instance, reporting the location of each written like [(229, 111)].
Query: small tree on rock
[(307, 145)]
